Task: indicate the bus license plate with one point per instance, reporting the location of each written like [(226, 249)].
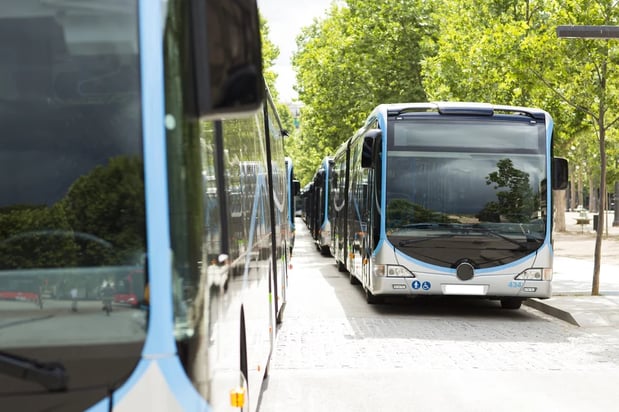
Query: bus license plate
[(465, 289)]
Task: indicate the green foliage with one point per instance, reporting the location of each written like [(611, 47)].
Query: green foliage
[(285, 116), (360, 55), (306, 158), (501, 51), (270, 52), (507, 52)]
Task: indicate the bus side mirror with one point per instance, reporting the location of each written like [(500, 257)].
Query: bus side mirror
[(367, 154), (224, 41), (296, 187), (559, 173)]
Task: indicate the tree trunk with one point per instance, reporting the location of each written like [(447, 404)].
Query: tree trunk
[(597, 258), (592, 195), (616, 205), (573, 192), (559, 200), (581, 194)]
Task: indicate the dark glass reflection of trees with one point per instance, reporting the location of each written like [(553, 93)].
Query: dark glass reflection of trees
[(100, 221), (518, 203)]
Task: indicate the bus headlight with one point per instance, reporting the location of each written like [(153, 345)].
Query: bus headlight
[(392, 271), (535, 274)]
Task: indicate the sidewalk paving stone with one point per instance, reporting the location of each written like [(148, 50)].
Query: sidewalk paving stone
[(573, 276)]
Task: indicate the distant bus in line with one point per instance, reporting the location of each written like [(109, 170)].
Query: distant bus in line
[(293, 189), (318, 212), (447, 199)]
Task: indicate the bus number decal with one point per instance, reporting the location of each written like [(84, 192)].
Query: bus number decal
[(514, 284)]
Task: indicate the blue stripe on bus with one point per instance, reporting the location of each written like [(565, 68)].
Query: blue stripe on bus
[(181, 386), (160, 339), (178, 383), (549, 204), (443, 270), (326, 190), (382, 123)]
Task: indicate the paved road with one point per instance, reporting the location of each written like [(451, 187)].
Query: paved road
[(337, 353), (57, 324), (578, 242)]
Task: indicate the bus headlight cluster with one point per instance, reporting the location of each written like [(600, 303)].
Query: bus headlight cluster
[(535, 274), (392, 271)]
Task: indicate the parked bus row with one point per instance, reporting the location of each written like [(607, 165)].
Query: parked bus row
[(141, 153), (441, 199)]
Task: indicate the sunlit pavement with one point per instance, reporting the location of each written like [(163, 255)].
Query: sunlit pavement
[(573, 277), (335, 352)]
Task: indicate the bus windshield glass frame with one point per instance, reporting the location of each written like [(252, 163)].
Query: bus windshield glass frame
[(466, 182)]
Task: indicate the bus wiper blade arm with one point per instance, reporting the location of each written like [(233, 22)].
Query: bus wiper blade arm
[(52, 375), (407, 242), (489, 231)]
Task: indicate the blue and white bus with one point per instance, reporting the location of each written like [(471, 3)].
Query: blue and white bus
[(448, 199), (118, 170), (319, 224), (294, 187)]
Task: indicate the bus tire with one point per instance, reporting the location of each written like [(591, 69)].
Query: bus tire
[(373, 299), (511, 303), (353, 279), (340, 266)]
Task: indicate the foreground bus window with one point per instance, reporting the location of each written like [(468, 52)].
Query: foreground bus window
[(72, 231)]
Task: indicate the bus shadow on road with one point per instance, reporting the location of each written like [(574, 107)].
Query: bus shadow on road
[(451, 305), (424, 305)]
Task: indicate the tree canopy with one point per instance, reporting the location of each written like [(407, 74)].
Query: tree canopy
[(363, 53)]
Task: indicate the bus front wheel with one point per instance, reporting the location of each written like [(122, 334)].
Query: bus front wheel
[(511, 303), (372, 298)]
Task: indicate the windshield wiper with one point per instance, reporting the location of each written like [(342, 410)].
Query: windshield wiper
[(458, 228), (51, 375), (482, 229)]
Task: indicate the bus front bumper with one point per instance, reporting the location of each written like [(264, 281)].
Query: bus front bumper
[(487, 285)]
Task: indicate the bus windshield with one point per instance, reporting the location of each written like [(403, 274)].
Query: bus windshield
[(464, 183), (72, 220)]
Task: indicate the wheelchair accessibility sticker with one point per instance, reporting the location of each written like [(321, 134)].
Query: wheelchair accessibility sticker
[(416, 285)]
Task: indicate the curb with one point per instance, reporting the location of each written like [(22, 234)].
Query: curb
[(551, 310)]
